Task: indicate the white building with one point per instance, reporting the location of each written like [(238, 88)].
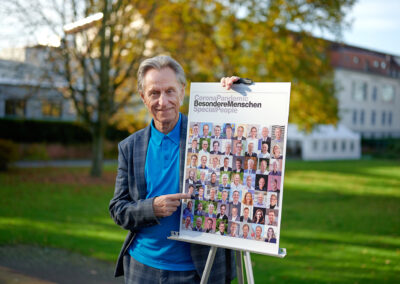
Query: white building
[(325, 142), (368, 84)]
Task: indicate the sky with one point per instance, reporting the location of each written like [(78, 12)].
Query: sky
[(375, 25)]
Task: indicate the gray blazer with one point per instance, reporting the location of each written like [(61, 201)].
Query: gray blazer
[(130, 209)]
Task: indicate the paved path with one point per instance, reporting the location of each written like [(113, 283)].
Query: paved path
[(37, 265), (59, 163)]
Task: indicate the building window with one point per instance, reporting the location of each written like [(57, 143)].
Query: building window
[(315, 145), (325, 146), (16, 108), (356, 60), (383, 118), (362, 117), (354, 116), (351, 145), (51, 109), (359, 91), (383, 64), (334, 145), (390, 118), (343, 146), (373, 117), (376, 63), (388, 93), (374, 93)]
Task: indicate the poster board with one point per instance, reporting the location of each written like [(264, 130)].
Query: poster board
[(235, 178)]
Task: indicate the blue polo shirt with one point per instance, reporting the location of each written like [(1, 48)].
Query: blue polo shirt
[(151, 246)]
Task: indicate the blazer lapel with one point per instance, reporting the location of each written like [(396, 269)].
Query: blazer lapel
[(182, 150), (139, 158)]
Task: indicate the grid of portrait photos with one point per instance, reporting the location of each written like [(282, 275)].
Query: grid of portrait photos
[(233, 173)]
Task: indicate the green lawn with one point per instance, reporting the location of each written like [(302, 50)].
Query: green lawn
[(340, 220)]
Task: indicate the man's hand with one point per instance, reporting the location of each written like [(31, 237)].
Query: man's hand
[(227, 82), (165, 205)]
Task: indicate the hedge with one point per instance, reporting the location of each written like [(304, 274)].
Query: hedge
[(34, 131), (388, 148)]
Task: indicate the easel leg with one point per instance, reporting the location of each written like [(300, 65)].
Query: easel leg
[(209, 263), (239, 267), (249, 268)]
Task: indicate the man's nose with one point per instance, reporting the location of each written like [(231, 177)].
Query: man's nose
[(163, 99)]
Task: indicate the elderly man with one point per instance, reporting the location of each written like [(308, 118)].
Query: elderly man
[(265, 138), (217, 132), (149, 185)]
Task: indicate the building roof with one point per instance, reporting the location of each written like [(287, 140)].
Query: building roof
[(364, 60), (322, 131)]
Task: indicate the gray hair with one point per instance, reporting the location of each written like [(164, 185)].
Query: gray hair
[(159, 62)]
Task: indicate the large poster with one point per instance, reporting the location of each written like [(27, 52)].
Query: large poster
[(235, 164)]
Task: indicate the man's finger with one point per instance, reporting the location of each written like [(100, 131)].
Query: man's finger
[(178, 196)]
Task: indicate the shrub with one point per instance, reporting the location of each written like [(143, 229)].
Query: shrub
[(8, 153)]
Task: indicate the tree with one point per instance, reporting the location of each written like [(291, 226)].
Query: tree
[(102, 44), (260, 39)]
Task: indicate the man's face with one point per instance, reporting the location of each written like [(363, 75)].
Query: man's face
[(162, 94), (191, 175), (250, 147), (240, 131), (236, 196), (204, 145), (246, 213), (213, 178), (194, 160), (200, 206), (258, 231), (210, 223), (278, 133), (217, 131), (272, 200), (245, 230), (187, 221), (211, 208), (194, 144), (212, 194), (228, 131), (233, 228), (198, 222), (191, 189), (228, 148), (261, 182), (265, 132), (238, 148), (263, 166), (260, 198), (250, 164), (215, 162), (271, 216), (189, 205), (216, 146), (224, 195), (248, 181), (226, 163), (205, 129), (223, 208), (222, 227), (264, 148), (203, 160), (238, 164), (202, 175), (225, 180), (196, 130), (201, 191), (234, 211), (254, 132)]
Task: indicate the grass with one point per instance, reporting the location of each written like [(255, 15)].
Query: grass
[(340, 220)]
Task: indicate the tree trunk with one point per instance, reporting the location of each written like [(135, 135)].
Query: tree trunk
[(97, 152)]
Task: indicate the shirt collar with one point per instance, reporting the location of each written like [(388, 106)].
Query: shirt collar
[(173, 135)]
